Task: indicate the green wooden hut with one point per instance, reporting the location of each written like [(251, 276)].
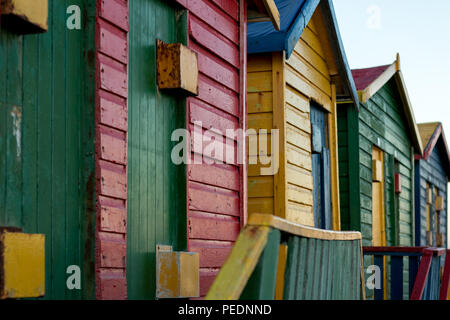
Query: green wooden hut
[(376, 159)]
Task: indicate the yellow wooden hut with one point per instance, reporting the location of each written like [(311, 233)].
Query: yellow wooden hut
[(296, 78)]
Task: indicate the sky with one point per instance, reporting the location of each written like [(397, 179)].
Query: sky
[(374, 31)]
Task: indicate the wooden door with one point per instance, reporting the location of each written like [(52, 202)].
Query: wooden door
[(321, 168), (378, 207)]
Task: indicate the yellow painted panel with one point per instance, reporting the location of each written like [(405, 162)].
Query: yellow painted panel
[(263, 143), (309, 72), (259, 81), (300, 214), (260, 205), (313, 41), (177, 274), (240, 264), (299, 157), (300, 195), (259, 187), (378, 213), (279, 121), (259, 102), (35, 11), (298, 119), (307, 88), (255, 166), (259, 62), (281, 268), (299, 177), (23, 265), (302, 49), (259, 121), (297, 100), (298, 138)]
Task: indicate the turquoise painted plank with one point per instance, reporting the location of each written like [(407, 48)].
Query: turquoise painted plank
[(290, 276), (302, 274), (310, 270), (58, 159), (14, 123), (323, 269), (153, 215)]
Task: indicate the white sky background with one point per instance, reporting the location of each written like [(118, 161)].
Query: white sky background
[(373, 31)]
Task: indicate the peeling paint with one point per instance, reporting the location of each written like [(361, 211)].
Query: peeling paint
[(16, 114)]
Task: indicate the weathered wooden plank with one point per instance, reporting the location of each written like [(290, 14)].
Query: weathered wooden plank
[(290, 277), (243, 260), (211, 39), (212, 227)]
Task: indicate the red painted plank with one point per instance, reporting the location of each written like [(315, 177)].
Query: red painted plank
[(368, 250), (113, 144), (113, 284), (113, 219), (443, 295), (422, 275), (207, 277), (112, 41), (243, 109), (220, 175), (215, 18), (218, 95), (229, 6), (212, 254), (113, 76), (113, 250), (113, 110), (215, 148), (212, 199), (212, 118), (216, 69), (212, 226), (113, 180), (213, 41), (115, 11)]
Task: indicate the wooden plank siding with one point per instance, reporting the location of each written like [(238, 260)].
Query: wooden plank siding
[(430, 171), (47, 179), (216, 193), (156, 186), (111, 148), (306, 78)]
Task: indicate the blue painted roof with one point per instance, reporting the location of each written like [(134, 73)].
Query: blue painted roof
[(262, 36), (294, 17)]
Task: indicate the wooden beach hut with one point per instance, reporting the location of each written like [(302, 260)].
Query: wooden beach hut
[(376, 152), (296, 78), (432, 173), (376, 149)]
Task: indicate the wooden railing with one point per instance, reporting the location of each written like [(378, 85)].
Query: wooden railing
[(276, 259), (424, 272)]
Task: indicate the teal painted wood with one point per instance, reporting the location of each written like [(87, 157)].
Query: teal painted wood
[(46, 143), (262, 283), (156, 187), (291, 272), (322, 270)]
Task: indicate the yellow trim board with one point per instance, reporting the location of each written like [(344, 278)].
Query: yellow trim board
[(267, 220), (394, 70), (240, 264)]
